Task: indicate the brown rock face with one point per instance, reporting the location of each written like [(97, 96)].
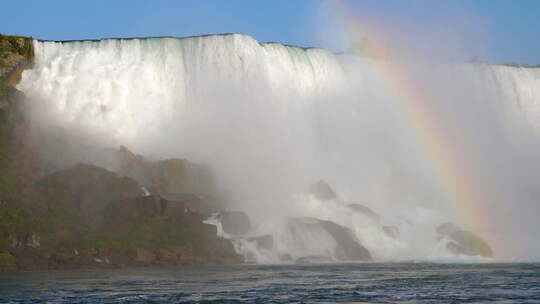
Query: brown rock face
[(131, 209), (19, 161), (86, 189), (142, 255), (133, 166), (16, 54), (165, 177), (166, 255), (464, 242)]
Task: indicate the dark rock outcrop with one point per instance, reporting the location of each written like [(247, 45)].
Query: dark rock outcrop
[(365, 211), (391, 231), (463, 242), (86, 190), (322, 191), (348, 247), (235, 222), (166, 177)]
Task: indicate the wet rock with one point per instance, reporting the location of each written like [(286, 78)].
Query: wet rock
[(183, 254), (322, 191), (225, 253), (235, 222), (124, 211), (170, 176), (133, 166), (365, 211), (181, 203), (86, 189), (208, 232), (166, 255), (391, 231), (348, 247), (142, 255), (464, 242), (61, 258)]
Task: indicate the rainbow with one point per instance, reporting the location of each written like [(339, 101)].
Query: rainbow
[(448, 163)]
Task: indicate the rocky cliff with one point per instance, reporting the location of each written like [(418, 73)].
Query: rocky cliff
[(87, 216)]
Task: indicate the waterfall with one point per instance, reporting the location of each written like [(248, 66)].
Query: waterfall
[(271, 119)]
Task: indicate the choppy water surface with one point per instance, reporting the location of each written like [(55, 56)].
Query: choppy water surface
[(373, 283)]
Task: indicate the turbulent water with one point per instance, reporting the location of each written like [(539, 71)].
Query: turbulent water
[(271, 119), (358, 283)]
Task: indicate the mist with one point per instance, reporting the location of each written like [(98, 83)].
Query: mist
[(270, 120)]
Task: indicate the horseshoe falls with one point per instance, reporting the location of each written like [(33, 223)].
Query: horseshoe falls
[(416, 143)]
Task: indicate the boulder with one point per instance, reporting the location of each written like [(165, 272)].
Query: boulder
[(391, 231), (348, 248), (186, 201), (235, 222), (133, 166), (170, 176), (365, 211), (462, 242), (322, 191)]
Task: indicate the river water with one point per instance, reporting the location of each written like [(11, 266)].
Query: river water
[(324, 283)]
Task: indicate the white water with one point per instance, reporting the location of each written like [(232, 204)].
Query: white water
[(271, 119)]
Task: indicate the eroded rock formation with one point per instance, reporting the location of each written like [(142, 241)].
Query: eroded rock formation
[(462, 242)]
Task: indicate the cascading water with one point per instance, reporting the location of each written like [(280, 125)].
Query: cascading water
[(271, 119)]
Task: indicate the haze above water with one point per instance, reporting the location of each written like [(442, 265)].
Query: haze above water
[(270, 120)]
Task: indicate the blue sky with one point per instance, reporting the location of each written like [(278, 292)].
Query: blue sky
[(493, 30)]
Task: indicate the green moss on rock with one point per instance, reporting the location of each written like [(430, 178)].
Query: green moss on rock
[(7, 258)]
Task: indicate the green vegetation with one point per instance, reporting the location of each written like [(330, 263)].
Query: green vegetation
[(17, 45), (15, 54), (7, 258), (11, 220), (4, 88), (147, 233), (9, 185)]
